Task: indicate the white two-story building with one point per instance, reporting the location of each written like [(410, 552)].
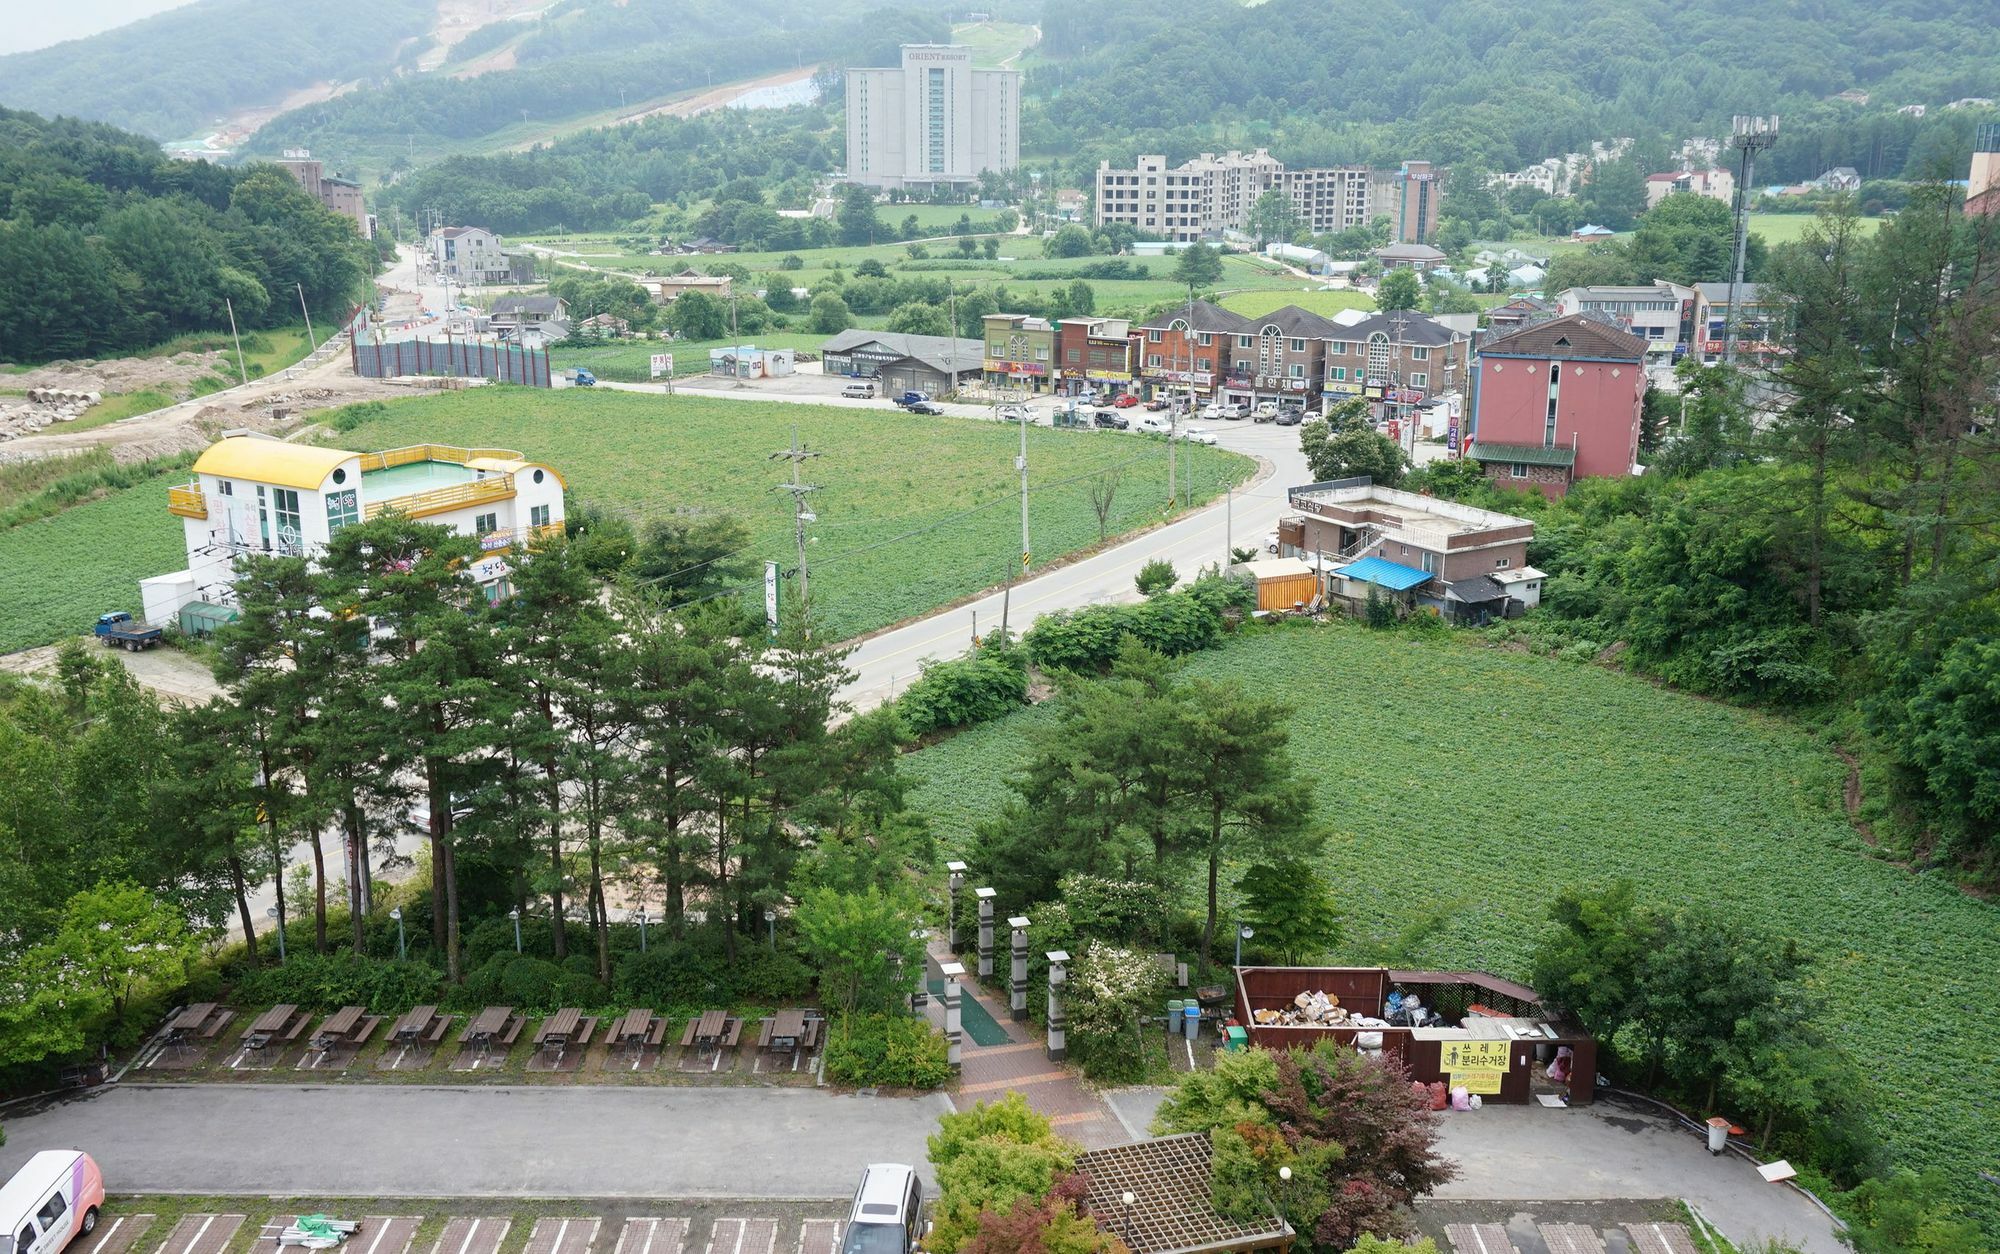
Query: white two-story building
[(251, 494)]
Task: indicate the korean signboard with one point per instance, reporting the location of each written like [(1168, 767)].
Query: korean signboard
[(1473, 1055), (663, 364)]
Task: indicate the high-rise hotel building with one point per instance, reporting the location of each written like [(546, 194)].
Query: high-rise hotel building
[(932, 120)]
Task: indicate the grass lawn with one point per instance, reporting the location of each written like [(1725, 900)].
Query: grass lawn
[(1462, 786), (1325, 304), (1786, 228), (938, 495), (58, 574), (940, 218)]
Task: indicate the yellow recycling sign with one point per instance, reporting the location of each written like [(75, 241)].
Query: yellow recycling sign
[(1485, 1082), (1473, 1055)]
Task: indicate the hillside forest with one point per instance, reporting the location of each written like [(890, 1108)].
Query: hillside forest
[(107, 246)]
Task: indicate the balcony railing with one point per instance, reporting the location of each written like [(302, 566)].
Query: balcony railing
[(519, 535), (433, 453), (444, 500), (187, 500)]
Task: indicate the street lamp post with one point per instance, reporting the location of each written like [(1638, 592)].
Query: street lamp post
[(1243, 933), (271, 912), (515, 914), (640, 917), (402, 948), (1127, 1198), (771, 928)]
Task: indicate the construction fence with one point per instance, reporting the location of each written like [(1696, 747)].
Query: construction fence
[(453, 358)]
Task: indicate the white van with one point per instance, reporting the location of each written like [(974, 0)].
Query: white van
[(887, 1215), (53, 1198), (859, 391)]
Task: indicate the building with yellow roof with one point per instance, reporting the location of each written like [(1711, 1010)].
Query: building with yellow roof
[(252, 494)]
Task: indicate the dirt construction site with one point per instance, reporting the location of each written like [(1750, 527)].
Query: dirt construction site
[(277, 403)]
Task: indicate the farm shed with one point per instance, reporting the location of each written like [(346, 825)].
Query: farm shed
[(1499, 1024), (1282, 582)]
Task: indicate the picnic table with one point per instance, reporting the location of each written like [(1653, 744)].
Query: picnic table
[(493, 1027), (558, 1028), (716, 1029), (784, 1030), (277, 1021), (639, 1027), (191, 1020), (413, 1026), (344, 1026)]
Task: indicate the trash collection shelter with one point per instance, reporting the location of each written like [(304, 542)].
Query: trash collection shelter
[(1492, 1035)]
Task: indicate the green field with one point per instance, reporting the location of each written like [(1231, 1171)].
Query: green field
[(1786, 228), (1325, 304), (58, 574), (1476, 783), (912, 486), (631, 361)]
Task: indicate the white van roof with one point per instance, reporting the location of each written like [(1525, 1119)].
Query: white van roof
[(24, 1193), (885, 1185)]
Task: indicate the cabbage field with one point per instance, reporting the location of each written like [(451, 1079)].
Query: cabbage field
[(1475, 783)]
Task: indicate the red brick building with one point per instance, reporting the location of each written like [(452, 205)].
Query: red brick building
[(1557, 401), (1098, 354), (1188, 346)]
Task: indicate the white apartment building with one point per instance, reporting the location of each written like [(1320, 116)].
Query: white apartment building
[(1714, 183), (468, 254), (251, 494), (1202, 198), (1659, 312), (932, 120)]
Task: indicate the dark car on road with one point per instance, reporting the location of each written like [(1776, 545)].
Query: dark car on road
[(907, 399), (921, 406), (1110, 419), (1290, 417)]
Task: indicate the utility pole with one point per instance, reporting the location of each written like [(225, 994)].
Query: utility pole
[(800, 517), (736, 351), (1021, 464), (1173, 410), (309, 318), (1229, 525), (1749, 135), (241, 372)]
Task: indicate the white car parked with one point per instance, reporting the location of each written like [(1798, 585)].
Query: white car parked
[(1153, 423), (1198, 435)]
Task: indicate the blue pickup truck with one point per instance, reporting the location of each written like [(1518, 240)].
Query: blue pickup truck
[(118, 629)]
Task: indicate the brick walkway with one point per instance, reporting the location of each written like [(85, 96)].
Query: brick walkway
[(990, 1072)]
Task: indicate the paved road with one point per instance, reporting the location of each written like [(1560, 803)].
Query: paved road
[(397, 1141), (1605, 1151)]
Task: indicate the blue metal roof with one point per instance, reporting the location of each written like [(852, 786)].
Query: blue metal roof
[(1384, 574)]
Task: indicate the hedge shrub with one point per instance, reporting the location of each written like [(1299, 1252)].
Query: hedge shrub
[(694, 974), (530, 985), (895, 1051), (990, 681), (1181, 621), (328, 982)]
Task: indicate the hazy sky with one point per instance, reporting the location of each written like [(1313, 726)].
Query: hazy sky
[(35, 25)]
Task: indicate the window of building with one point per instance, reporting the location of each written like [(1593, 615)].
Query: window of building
[(1549, 423), (1204, 339), (1204, 363), (1420, 380), (1152, 337), (1242, 341), (1041, 354), (1502, 563), (1336, 348), (996, 350), (1298, 371), (1074, 356), (1430, 561), (1420, 354), (538, 515), (342, 508), (486, 524), (1520, 470), (1153, 360), (1298, 346), (225, 487), (291, 528)]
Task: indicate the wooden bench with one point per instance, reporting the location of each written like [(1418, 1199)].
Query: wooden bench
[(366, 1030), (687, 1037), (733, 1035), (514, 1033), (658, 1032), (215, 1025), (438, 1028), (297, 1029), (811, 1038), (764, 1036), (585, 1029)]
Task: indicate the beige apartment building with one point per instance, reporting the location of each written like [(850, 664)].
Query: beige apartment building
[(1203, 198)]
